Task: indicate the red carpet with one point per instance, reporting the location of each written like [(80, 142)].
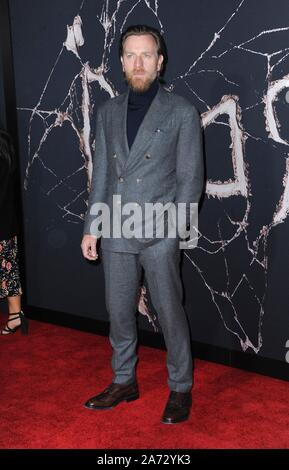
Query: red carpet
[(46, 377)]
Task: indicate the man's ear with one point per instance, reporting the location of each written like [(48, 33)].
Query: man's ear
[(160, 61), (121, 59)]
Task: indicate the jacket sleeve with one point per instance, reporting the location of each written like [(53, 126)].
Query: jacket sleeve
[(189, 161), (98, 188)]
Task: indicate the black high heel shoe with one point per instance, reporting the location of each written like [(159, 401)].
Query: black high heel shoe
[(23, 324)]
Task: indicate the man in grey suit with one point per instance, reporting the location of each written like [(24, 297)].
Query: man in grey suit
[(148, 150)]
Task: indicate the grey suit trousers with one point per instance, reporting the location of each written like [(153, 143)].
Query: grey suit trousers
[(122, 283)]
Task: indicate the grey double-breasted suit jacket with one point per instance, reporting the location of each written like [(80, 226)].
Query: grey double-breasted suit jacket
[(164, 164)]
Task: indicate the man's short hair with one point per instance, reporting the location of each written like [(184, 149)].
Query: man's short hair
[(140, 30)]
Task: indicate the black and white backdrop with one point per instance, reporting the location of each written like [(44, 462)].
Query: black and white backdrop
[(230, 58)]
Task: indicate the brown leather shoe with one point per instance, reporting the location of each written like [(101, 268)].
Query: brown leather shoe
[(178, 408), (112, 396)]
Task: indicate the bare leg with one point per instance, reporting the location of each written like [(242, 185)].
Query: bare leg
[(14, 304)]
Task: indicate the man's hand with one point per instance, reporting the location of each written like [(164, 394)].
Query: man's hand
[(88, 247)]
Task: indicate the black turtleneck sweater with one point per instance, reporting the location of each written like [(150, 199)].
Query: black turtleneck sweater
[(138, 104)]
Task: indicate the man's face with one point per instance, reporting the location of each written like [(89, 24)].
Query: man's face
[(140, 61)]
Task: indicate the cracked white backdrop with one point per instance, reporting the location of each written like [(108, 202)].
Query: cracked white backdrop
[(230, 58)]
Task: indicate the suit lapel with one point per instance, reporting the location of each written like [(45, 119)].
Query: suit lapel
[(155, 116), (118, 120), (153, 119)]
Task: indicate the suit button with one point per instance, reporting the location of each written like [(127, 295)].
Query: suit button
[(147, 157), (114, 156), (121, 179), (138, 180)]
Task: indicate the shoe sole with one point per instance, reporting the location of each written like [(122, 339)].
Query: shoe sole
[(127, 399), (170, 421)]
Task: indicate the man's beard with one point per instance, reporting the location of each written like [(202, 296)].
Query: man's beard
[(139, 84)]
